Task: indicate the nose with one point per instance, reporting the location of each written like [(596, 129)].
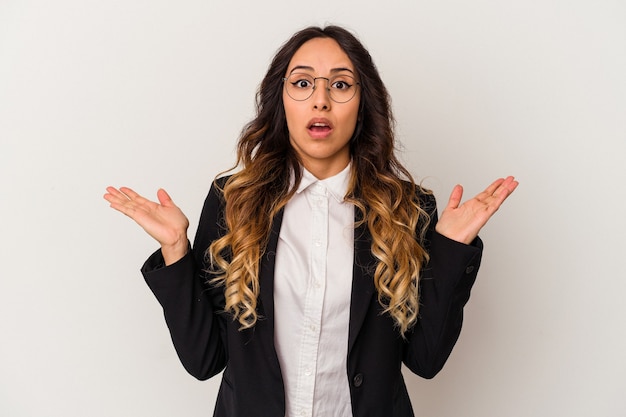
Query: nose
[(321, 93)]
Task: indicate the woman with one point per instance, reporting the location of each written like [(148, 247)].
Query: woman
[(320, 267)]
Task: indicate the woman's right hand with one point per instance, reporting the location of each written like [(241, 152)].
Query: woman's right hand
[(164, 221)]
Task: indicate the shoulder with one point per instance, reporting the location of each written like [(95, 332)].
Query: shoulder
[(216, 192), (220, 182), (214, 202), (421, 195)]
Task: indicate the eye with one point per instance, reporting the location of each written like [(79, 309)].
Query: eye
[(343, 82), (301, 81)]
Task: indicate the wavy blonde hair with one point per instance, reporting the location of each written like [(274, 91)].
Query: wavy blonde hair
[(381, 189)]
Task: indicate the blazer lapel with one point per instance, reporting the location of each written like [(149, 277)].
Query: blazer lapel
[(362, 281), (266, 272)]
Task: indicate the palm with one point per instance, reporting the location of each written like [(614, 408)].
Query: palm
[(462, 222), (164, 221)]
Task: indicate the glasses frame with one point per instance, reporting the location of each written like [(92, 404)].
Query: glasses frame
[(356, 83)]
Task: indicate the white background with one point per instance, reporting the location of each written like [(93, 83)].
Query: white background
[(154, 93)]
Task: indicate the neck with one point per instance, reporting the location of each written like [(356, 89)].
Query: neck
[(322, 170)]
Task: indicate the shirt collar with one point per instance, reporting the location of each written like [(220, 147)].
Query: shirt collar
[(337, 185)]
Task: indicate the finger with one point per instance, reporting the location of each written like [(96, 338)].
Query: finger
[(124, 200), (455, 197), (164, 198), (131, 194), (136, 200), (503, 192), (508, 186), (493, 187), (487, 193), (123, 205), (114, 192), (115, 196), (513, 186)]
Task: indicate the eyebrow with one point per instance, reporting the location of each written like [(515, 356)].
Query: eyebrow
[(332, 71)]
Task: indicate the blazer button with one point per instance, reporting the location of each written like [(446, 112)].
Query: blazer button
[(357, 381), (469, 269)]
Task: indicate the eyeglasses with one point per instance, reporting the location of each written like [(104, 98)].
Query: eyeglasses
[(341, 88)]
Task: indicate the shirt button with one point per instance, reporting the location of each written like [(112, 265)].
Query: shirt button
[(469, 269), (357, 381), (307, 371)]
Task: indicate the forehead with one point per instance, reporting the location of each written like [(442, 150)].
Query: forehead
[(321, 55)]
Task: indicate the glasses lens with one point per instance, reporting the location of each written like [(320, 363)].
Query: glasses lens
[(299, 86), (341, 88)]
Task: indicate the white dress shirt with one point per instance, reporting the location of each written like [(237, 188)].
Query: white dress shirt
[(312, 290)]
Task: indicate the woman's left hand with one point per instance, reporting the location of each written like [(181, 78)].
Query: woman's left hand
[(462, 222)]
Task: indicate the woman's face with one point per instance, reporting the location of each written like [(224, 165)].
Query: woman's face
[(320, 128)]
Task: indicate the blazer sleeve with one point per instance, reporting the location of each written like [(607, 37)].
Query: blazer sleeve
[(445, 285), (190, 304)]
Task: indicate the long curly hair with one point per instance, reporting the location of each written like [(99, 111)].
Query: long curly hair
[(381, 189)]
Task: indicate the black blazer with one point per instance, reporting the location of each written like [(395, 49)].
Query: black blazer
[(208, 341)]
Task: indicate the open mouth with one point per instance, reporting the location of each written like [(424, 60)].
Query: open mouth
[(319, 127)]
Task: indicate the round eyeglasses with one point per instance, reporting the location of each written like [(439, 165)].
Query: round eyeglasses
[(341, 88)]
